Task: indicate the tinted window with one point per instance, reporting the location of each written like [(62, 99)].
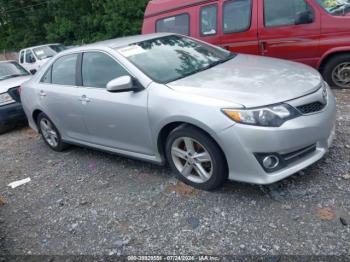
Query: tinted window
[(179, 24), (209, 20), (47, 77), (282, 13), (168, 58), (30, 57), (21, 60), (237, 15), (98, 69), (63, 70)]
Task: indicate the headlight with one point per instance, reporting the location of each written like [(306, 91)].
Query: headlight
[(271, 116), (6, 99)]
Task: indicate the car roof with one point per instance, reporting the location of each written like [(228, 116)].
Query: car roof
[(8, 61), (118, 42)]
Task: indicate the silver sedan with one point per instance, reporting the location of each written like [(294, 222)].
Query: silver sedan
[(209, 113)]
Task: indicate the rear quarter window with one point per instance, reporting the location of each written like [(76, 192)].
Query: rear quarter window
[(179, 24)]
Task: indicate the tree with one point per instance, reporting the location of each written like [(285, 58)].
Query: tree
[(31, 22)]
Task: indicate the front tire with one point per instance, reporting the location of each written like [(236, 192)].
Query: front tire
[(50, 133), (336, 71), (195, 158)]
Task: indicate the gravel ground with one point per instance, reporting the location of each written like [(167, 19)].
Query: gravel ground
[(87, 202)]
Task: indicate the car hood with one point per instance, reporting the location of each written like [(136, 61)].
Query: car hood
[(252, 81), (12, 82)]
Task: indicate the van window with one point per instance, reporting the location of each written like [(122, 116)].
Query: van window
[(336, 8), (30, 57), (209, 20), (21, 59), (283, 13), (179, 24), (63, 70), (237, 16)]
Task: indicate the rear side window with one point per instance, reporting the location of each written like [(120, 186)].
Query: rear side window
[(98, 69), (237, 16), (179, 24), (64, 70), (283, 13), (208, 21), (47, 77), (21, 59)]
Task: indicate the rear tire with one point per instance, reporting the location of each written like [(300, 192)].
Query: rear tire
[(336, 71), (195, 158), (50, 133)]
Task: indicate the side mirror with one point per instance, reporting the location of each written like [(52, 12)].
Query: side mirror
[(33, 71), (306, 17), (123, 84)]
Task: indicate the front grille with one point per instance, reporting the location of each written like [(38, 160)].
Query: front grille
[(14, 93), (311, 108)]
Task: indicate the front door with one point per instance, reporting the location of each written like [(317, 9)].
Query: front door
[(289, 29), (114, 120)]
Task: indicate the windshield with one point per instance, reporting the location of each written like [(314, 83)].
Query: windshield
[(335, 7), (10, 70), (44, 52), (169, 58), (58, 48)]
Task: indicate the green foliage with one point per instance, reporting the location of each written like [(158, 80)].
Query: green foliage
[(31, 22)]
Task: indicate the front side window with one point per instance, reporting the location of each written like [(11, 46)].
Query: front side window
[(209, 20), (286, 12), (179, 24), (172, 57), (335, 7), (98, 69), (10, 70), (64, 70), (30, 57), (21, 59), (237, 16)]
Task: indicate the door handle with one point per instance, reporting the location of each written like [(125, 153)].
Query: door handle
[(263, 49), (42, 93), (84, 99)]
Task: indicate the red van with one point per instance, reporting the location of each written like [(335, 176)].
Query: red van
[(314, 32)]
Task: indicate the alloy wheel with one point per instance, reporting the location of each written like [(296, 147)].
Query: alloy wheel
[(48, 132), (192, 159)]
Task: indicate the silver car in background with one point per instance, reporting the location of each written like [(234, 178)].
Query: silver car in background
[(210, 114)]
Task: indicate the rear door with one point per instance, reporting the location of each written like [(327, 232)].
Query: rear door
[(60, 97), (289, 29), (239, 23)]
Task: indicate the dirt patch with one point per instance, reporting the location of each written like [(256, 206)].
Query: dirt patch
[(181, 189), (326, 213)]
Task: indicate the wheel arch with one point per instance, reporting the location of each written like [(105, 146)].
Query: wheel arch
[(170, 126), (331, 54)]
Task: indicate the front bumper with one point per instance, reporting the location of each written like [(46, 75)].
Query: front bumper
[(241, 143), (11, 115)]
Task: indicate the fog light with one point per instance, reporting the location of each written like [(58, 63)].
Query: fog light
[(271, 162)]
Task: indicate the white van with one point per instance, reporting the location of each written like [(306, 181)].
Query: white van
[(32, 58)]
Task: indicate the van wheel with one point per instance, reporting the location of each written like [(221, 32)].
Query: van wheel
[(195, 158), (50, 134), (336, 72)]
